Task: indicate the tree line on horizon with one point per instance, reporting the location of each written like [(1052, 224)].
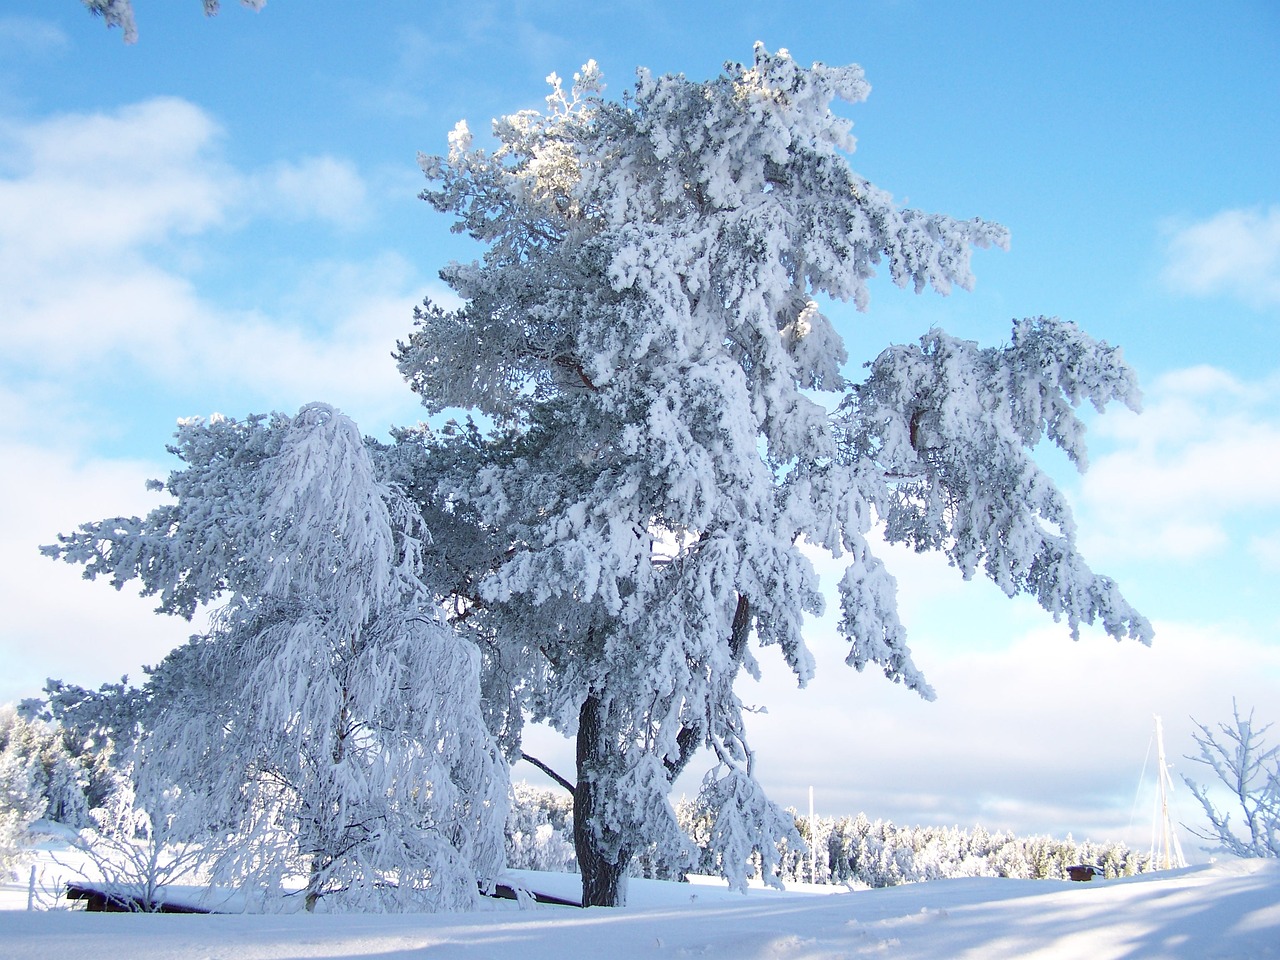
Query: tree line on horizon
[(852, 851)]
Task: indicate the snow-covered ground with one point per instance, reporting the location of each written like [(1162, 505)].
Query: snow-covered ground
[(1228, 909)]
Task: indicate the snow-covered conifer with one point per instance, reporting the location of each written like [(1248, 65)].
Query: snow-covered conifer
[(59, 781), (644, 336)]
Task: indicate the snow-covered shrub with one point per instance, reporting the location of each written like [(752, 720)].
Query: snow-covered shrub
[(140, 843)]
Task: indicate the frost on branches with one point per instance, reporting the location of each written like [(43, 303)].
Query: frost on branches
[(329, 717), (119, 13), (644, 341), (1247, 771)]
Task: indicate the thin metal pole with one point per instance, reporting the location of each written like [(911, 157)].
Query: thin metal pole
[(813, 842)]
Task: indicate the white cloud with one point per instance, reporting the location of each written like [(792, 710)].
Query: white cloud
[(1044, 735), (344, 322), (97, 187), (55, 624), (1205, 451), (92, 209), (92, 187), (1234, 253), (1265, 549)]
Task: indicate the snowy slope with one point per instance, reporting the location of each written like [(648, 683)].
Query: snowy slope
[(1229, 909)]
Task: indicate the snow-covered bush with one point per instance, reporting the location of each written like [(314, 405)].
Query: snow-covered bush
[(140, 843)]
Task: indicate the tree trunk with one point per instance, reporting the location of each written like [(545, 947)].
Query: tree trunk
[(602, 856), (313, 885)]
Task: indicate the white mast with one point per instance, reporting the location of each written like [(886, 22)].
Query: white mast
[(813, 842), (1168, 853)]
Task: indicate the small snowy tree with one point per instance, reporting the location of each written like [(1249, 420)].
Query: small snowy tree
[(99, 727), (1249, 770), (330, 720), (644, 339), (539, 828)]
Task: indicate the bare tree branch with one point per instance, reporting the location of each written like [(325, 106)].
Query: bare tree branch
[(548, 771)]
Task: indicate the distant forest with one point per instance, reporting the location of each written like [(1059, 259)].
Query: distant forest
[(853, 851)]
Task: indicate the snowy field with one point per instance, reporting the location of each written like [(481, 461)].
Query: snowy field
[(1228, 909)]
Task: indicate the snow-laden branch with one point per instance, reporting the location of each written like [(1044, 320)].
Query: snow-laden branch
[(951, 427)]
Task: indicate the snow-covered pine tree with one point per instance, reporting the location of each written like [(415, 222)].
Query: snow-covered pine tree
[(330, 717), (643, 341)]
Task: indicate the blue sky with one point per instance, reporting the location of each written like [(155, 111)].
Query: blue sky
[(223, 217)]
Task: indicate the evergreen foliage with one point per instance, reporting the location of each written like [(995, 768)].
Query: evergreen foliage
[(41, 763)]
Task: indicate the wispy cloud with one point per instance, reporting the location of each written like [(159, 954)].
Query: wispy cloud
[(1265, 549), (32, 36), (104, 185), (99, 185), (314, 188), (1234, 253)]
